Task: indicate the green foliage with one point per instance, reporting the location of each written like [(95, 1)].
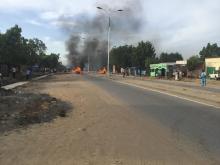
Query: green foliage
[(49, 61), (1, 47), (122, 56), (17, 50), (34, 49), (144, 50), (128, 55), (170, 57), (61, 67), (193, 63), (12, 46), (211, 50)]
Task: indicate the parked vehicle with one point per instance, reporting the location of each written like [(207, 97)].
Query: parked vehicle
[(215, 75)]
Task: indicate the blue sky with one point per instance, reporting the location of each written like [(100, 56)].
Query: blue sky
[(172, 25)]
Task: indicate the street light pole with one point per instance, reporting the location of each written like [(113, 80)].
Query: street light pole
[(109, 32), (88, 62), (88, 57)]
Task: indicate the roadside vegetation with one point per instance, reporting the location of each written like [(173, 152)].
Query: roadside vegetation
[(16, 50), (144, 54)]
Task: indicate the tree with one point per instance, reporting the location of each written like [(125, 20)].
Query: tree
[(143, 55), (121, 56), (1, 47), (12, 46), (170, 57), (49, 61), (140, 56), (53, 60), (193, 63), (211, 50), (60, 67), (34, 49), (17, 50), (144, 50)]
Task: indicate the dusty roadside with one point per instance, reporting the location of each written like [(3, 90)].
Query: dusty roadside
[(191, 82), (100, 130)]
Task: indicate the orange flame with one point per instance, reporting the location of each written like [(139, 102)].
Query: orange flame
[(102, 71), (77, 70)]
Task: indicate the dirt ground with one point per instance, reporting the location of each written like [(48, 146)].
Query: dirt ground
[(99, 130)]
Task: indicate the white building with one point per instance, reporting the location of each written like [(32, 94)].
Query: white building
[(212, 66)]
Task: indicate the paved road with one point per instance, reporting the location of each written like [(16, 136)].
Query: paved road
[(199, 124)]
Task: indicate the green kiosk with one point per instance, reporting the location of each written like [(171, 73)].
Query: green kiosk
[(161, 70)]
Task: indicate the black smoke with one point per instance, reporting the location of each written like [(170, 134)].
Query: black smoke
[(88, 33)]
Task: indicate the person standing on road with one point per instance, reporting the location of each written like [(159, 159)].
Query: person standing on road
[(123, 72), (203, 78), (28, 73), (14, 72), (1, 79)]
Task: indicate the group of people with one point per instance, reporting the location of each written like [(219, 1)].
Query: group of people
[(28, 73), (202, 77), (125, 72)]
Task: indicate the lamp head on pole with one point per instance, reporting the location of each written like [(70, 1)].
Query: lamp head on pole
[(99, 8)]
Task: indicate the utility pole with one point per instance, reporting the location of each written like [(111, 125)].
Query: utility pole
[(109, 33)]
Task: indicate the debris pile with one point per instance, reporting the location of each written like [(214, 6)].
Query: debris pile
[(19, 109)]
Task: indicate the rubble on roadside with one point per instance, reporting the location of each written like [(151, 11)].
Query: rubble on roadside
[(19, 109)]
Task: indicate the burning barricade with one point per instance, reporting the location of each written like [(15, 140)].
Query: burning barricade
[(102, 71), (77, 70)]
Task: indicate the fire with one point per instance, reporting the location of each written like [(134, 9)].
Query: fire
[(77, 70), (102, 71)]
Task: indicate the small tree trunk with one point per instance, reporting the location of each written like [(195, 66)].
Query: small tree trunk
[(140, 71)]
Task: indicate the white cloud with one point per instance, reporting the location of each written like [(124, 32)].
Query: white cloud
[(34, 22), (56, 46), (62, 23), (50, 15), (13, 5), (47, 6), (184, 26)]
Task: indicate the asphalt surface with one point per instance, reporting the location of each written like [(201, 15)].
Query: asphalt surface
[(197, 123)]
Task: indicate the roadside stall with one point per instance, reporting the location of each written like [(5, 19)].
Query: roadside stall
[(161, 70)]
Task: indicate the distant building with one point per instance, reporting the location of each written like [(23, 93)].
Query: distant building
[(168, 69), (162, 69), (183, 62), (212, 67)]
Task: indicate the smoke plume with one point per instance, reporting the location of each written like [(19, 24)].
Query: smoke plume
[(88, 33)]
